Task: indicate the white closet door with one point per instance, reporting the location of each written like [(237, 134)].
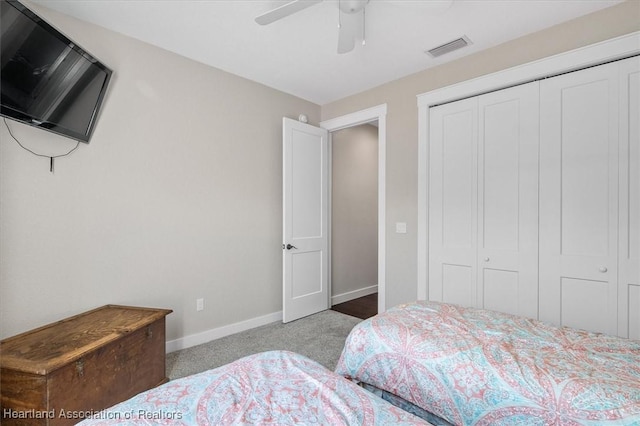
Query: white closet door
[(508, 200), (629, 247), (453, 202), (579, 199)]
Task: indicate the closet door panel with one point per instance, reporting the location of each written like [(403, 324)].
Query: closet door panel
[(583, 308), (499, 172), (629, 247), (579, 199), (585, 173), (453, 202), (501, 290), (456, 284), (508, 200), (458, 181)]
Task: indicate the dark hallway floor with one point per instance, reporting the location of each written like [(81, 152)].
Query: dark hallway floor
[(362, 307)]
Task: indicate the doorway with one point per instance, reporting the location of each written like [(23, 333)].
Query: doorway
[(354, 220), (377, 115)]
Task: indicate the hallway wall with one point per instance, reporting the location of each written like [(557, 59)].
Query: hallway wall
[(354, 233)]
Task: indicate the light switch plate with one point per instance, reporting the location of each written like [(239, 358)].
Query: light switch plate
[(401, 228)]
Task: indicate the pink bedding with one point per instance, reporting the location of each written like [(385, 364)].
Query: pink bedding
[(471, 366), (271, 388)]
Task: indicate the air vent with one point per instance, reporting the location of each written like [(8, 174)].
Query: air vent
[(449, 47)]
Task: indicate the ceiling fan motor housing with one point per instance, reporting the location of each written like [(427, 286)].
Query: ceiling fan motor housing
[(352, 6)]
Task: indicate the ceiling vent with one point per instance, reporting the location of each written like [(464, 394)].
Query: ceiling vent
[(449, 47)]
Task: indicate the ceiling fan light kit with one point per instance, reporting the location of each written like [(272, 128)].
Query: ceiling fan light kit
[(352, 6)]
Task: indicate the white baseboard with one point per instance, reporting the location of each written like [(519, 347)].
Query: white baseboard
[(217, 333), (350, 295), (226, 330)]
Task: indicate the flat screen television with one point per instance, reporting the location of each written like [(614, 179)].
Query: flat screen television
[(48, 81)]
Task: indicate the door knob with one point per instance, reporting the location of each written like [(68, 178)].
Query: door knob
[(603, 269), (486, 259), (289, 247)]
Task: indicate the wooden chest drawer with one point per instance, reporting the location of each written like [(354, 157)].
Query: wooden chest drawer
[(63, 372)]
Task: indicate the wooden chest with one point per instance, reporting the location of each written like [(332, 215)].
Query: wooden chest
[(63, 372)]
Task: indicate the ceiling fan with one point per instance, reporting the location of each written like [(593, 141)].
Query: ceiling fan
[(350, 17)]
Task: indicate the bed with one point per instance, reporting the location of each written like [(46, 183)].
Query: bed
[(471, 366), (276, 387)]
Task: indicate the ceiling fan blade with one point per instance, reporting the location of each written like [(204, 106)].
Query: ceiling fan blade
[(285, 10), (347, 32)]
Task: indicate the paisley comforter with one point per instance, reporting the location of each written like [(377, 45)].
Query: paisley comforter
[(277, 388), (477, 367)]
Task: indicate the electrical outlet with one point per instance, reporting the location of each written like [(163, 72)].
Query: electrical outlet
[(199, 304)]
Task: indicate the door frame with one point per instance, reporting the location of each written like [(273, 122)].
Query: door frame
[(368, 115), (583, 57)]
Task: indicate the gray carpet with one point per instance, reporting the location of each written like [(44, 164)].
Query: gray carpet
[(320, 337)]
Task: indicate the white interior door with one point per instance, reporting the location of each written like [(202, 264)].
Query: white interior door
[(508, 200), (305, 220), (579, 199), (483, 201), (453, 202)]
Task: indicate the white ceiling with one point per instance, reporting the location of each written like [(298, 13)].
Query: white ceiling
[(298, 54)]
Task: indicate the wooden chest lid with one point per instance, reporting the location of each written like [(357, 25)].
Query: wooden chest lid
[(55, 345)]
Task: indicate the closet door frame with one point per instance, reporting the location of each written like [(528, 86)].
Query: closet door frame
[(609, 50)]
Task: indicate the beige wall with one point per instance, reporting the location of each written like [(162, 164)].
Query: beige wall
[(354, 204), (177, 197), (402, 120)]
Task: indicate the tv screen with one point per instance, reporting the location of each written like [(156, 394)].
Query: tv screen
[(47, 80)]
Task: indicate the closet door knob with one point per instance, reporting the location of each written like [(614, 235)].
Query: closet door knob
[(603, 269), (486, 259)]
